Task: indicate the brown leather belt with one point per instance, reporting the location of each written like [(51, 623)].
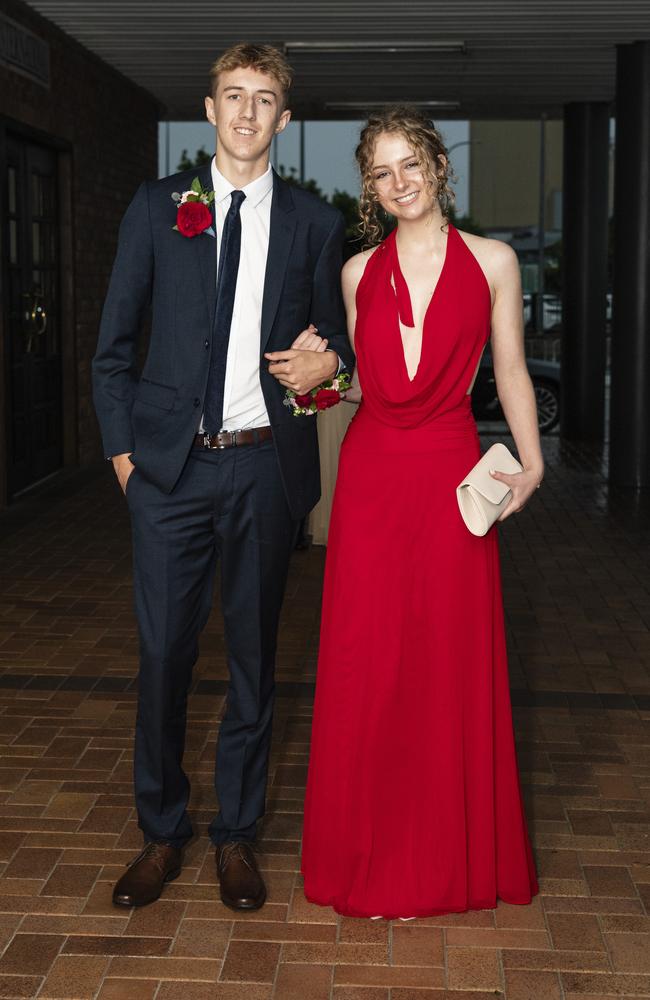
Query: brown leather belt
[(233, 439)]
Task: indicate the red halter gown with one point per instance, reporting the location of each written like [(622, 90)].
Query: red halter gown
[(413, 805)]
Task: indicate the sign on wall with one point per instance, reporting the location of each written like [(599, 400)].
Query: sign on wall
[(23, 51)]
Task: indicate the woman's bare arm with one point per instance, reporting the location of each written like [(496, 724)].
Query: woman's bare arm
[(350, 277), (514, 387)]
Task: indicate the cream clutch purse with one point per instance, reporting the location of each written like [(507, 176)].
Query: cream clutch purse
[(480, 497)]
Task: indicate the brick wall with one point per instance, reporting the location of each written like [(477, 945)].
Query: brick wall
[(111, 125)]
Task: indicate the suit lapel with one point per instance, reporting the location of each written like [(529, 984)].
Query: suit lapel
[(281, 234), (206, 249)]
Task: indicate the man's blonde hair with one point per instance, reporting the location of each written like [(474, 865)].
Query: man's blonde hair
[(248, 55)]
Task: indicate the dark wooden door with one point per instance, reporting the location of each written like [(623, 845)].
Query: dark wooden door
[(33, 346)]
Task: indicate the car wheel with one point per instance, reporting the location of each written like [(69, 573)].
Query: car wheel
[(548, 405)]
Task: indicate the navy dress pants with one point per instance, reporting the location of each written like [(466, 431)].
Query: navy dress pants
[(228, 509)]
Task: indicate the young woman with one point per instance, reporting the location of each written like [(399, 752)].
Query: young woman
[(413, 803)]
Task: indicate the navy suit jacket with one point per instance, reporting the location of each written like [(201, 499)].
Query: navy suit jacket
[(156, 414)]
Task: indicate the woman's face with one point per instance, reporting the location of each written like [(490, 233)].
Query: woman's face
[(398, 180)]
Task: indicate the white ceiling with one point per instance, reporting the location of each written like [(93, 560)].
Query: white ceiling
[(523, 57)]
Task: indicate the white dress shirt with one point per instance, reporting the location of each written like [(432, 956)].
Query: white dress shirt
[(243, 401)]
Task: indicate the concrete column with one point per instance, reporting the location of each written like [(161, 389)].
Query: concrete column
[(584, 241), (630, 399)]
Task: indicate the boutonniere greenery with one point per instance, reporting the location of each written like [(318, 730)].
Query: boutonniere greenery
[(194, 210), (326, 394)]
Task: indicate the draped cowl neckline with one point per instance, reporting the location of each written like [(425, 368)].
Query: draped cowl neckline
[(455, 329), (402, 293), (403, 298)]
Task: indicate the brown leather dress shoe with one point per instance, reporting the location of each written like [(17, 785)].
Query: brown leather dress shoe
[(146, 875), (242, 886)]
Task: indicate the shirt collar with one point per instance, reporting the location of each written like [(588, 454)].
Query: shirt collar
[(255, 192)]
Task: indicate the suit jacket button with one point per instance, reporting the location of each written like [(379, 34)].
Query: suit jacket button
[(197, 402), (206, 344)]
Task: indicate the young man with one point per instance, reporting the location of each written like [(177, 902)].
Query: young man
[(213, 465)]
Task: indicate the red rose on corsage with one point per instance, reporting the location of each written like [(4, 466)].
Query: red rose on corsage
[(193, 218), (321, 398), (194, 212), (326, 398)]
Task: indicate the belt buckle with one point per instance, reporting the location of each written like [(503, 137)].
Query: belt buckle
[(229, 440)]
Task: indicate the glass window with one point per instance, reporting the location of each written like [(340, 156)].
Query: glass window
[(13, 241), (11, 192)]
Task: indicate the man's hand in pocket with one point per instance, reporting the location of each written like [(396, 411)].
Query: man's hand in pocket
[(124, 468)]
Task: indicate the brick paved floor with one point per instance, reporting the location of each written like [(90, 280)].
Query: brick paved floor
[(578, 609)]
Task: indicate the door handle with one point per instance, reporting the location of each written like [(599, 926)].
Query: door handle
[(35, 316)]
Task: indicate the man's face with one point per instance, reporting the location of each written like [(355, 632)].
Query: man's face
[(247, 112)]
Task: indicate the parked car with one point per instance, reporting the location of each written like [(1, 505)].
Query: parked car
[(545, 376), (552, 313)]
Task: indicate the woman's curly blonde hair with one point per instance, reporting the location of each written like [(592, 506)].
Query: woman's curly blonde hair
[(428, 147)]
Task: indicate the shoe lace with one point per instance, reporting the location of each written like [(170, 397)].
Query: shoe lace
[(157, 853), (229, 850)]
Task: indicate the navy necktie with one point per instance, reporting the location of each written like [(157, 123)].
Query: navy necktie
[(226, 286)]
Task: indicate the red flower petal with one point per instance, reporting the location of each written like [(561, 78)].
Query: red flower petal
[(326, 398), (193, 218)]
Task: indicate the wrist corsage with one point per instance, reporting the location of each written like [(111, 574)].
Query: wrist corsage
[(194, 215), (326, 394)]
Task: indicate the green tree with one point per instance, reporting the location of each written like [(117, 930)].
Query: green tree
[(307, 185), (201, 157), (348, 206), (465, 222)]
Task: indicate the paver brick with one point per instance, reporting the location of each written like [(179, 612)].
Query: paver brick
[(68, 825)]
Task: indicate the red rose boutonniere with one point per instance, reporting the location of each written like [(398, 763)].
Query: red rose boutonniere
[(321, 398), (194, 214)]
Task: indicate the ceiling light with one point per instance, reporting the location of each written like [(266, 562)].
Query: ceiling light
[(368, 105), (434, 45)]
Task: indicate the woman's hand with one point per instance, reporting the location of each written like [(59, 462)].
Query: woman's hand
[(353, 394), (309, 340), (523, 485)]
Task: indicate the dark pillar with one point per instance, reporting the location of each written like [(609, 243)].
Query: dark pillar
[(630, 400), (584, 241)]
